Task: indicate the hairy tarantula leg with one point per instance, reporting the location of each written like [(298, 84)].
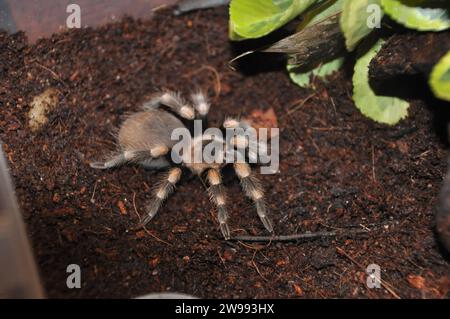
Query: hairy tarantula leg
[(217, 196), (253, 189), (131, 156), (117, 160), (234, 123), (161, 192), (155, 163), (256, 148), (201, 104), (174, 101)]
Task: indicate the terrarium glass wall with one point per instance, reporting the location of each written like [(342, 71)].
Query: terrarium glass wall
[(41, 18)]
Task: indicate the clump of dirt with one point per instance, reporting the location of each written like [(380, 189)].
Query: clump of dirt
[(337, 170), (410, 53)]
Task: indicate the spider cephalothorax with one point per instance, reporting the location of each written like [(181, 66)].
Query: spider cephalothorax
[(145, 138)]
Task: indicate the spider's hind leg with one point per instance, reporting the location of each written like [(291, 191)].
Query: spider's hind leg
[(172, 100), (161, 192), (131, 157), (155, 163), (115, 161)]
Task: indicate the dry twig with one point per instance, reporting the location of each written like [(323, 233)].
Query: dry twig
[(298, 237)]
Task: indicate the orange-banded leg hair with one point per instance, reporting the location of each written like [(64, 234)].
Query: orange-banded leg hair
[(161, 192), (131, 157), (253, 189), (231, 122), (255, 147), (218, 197), (172, 100)]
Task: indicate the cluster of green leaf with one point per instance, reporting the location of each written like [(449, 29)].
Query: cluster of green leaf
[(319, 30)]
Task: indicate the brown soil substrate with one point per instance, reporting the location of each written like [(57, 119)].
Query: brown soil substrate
[(338, 170), (410, 53)]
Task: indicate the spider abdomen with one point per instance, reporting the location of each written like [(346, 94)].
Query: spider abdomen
[(147, 130)]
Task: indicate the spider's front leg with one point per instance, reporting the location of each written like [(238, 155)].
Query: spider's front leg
[(218, 197), (131, 157), (246, 138), (253, 189), (161, 192)]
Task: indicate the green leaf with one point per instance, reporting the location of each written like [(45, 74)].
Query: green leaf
[(320, 13), (257, 18), (358, 19), (303, 79), (440, 78), (420, 15), (383, 109), (232, 35)]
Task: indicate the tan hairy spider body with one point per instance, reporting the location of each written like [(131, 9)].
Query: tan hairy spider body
[(145, 139)]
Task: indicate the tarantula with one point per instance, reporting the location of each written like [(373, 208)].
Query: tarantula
[(145, 139)]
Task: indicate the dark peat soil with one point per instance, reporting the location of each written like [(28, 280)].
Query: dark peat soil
[(338, 170)]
